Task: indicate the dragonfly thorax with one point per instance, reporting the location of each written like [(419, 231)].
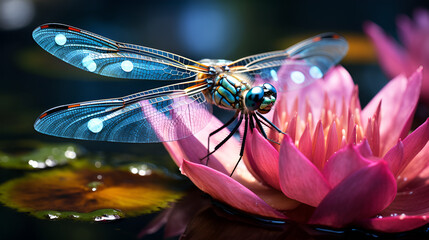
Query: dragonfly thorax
[(228, 90)]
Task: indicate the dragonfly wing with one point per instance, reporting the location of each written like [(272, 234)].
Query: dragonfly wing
[(158, 115), (300, 64), (95, 53)]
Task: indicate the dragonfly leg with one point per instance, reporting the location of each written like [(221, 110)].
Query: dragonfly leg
[(251, 123), (270, 123), (243, 142), (261, 129), (259, 125), (234, 130), (218, 130)]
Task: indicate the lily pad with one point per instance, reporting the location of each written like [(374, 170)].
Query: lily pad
[(36, 155), (91, 193)]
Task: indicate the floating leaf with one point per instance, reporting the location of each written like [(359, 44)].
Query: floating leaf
[(91, 194), (36, 155)]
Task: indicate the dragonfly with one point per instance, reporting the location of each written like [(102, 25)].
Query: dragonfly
[(247, 86)]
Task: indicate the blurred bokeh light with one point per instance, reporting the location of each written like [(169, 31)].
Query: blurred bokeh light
[(15, 14)]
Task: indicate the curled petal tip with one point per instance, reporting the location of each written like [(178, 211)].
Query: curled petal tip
[(420, 68)]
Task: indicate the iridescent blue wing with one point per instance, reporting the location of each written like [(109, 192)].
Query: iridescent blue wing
[(163, 114), (95, 53), (296, 66)]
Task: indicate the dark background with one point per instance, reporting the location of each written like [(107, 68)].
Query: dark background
[(33, 81)]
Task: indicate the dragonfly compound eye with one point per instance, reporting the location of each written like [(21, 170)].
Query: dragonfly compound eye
[(269, 90), (261, 98), (270, 96), (254, 98)]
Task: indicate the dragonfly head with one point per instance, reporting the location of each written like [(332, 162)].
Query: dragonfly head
[(261, 98)]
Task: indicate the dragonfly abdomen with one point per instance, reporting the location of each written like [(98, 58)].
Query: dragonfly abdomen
[(227, 91)]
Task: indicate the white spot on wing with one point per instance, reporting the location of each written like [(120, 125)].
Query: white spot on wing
[(89, 63), (297, 77), (60, 39), (127, 66), (274, 75), (95, 125), (315, 72)]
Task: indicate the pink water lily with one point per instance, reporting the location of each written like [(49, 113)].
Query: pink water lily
[(338, 166), (396, 59)]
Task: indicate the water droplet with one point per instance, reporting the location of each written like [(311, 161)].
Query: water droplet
[(106, 218), (32, 163), (52, 216), (145, 172), (297, 76), (402, 216), (97, 164), (50, 162), (70, 154), (94, 185), (36, 164), (60, 39), (127, 66)]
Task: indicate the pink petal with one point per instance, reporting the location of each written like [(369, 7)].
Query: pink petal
[(400, 156), (364, 149), (421, 17), (305, 145), (414, 168), (410, 202), (332, 141), (194, 148), (390, 54), (227, 190), (361, 195), (399, 99), (175, 151), (265, 159), (395, 158), (299, 178), (406, 30), (344, 163), (319, 146), (395, 224), (291, 127)]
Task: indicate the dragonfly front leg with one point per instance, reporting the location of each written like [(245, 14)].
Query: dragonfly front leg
[(233, 131), (216, 131), (270, 123), (246, 126), (261, 129)]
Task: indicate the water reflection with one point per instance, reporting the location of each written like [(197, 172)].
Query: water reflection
[(214, 223)]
